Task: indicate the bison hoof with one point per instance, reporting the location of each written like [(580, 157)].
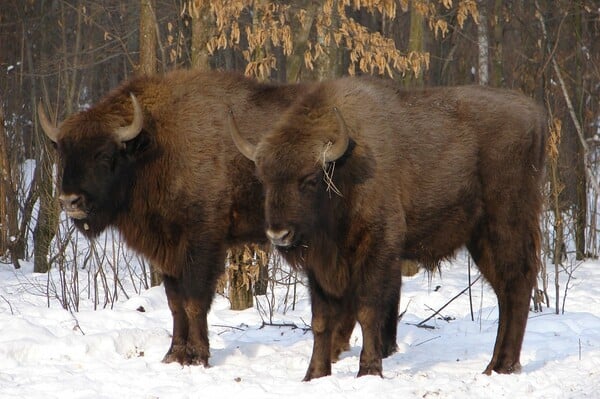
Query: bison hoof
[(186, 356), (514, 368), (372, 369), (313, 373)]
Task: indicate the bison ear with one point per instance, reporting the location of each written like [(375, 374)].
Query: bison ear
[(335, 150), (140, 144)]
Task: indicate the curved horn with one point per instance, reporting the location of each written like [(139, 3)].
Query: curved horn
[(130, 132), (48, 128), (339, 147), (244, 146)]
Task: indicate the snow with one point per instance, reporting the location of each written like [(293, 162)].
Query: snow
[(49, 352)]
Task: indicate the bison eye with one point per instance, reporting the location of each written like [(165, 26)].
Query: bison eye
[(103, 157), (309, 182)]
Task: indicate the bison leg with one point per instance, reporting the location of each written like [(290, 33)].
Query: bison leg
[(510, 265), (189, 308), (341, 334), (177, 350), (513, 300), (199, 281), (325, 311), (190, 297), (197, 348), (345, 325), (390, 325), (371, 321)]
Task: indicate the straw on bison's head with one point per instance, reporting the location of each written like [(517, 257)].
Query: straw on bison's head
[(96, 156), (294, 166)]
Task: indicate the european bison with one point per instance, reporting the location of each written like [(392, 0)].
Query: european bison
[(154, 160), (359, 173)]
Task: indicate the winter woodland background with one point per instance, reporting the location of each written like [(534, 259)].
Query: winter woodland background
[(69, 53)]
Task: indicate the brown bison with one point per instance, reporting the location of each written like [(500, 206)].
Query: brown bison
[(359, 173), (154, 160)]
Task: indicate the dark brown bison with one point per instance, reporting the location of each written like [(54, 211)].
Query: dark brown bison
[(154, 160), (359, 173)]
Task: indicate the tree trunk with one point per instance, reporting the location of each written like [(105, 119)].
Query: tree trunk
[(5, 182), (483, 44), (203, 28), (416, 43), (328, 65), (581, 190), (147, 63), (47, 221), (262, 280), (295, 61), (46, 224), (240, 275), (147, 66), (497, 64), (556, 187)]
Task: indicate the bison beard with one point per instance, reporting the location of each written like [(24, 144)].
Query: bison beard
[(418, 174)]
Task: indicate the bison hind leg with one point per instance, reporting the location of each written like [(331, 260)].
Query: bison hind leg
[(390, 325), (509, 262), (341, 334)]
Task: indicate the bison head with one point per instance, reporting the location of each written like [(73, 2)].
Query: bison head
[(95, 163), (293, 163)]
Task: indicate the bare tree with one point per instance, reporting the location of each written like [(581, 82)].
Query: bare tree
[(148, 39)]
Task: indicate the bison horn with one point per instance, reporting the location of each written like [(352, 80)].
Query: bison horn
[(48, 128), (130, 132), (244, 146), (339, 147)]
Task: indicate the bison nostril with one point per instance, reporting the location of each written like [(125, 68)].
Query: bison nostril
[(70, 201), (281, 237)]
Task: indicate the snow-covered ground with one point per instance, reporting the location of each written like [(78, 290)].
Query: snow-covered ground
[(49, 352)]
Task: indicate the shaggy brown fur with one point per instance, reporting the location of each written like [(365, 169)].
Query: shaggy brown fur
[(424, 173), (179, 192)]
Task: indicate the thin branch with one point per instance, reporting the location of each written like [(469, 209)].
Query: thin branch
[(9, 305), (563, 87), (294, 326), (448, 303)]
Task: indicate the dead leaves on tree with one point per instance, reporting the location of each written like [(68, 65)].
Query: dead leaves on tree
[(264, 25)]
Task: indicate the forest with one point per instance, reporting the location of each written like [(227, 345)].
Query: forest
[(69, 53)]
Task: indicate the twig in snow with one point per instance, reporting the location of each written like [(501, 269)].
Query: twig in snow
[(293, 326), (9, 305), (448, 303)]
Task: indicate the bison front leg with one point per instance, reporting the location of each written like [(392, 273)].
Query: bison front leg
[(190, 297), (325, 311), (177, 350), (189, 308), (199, 280), (370, 319), (197, 349)]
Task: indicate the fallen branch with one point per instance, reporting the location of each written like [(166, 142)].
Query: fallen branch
[(421, 324), (293, 326)]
